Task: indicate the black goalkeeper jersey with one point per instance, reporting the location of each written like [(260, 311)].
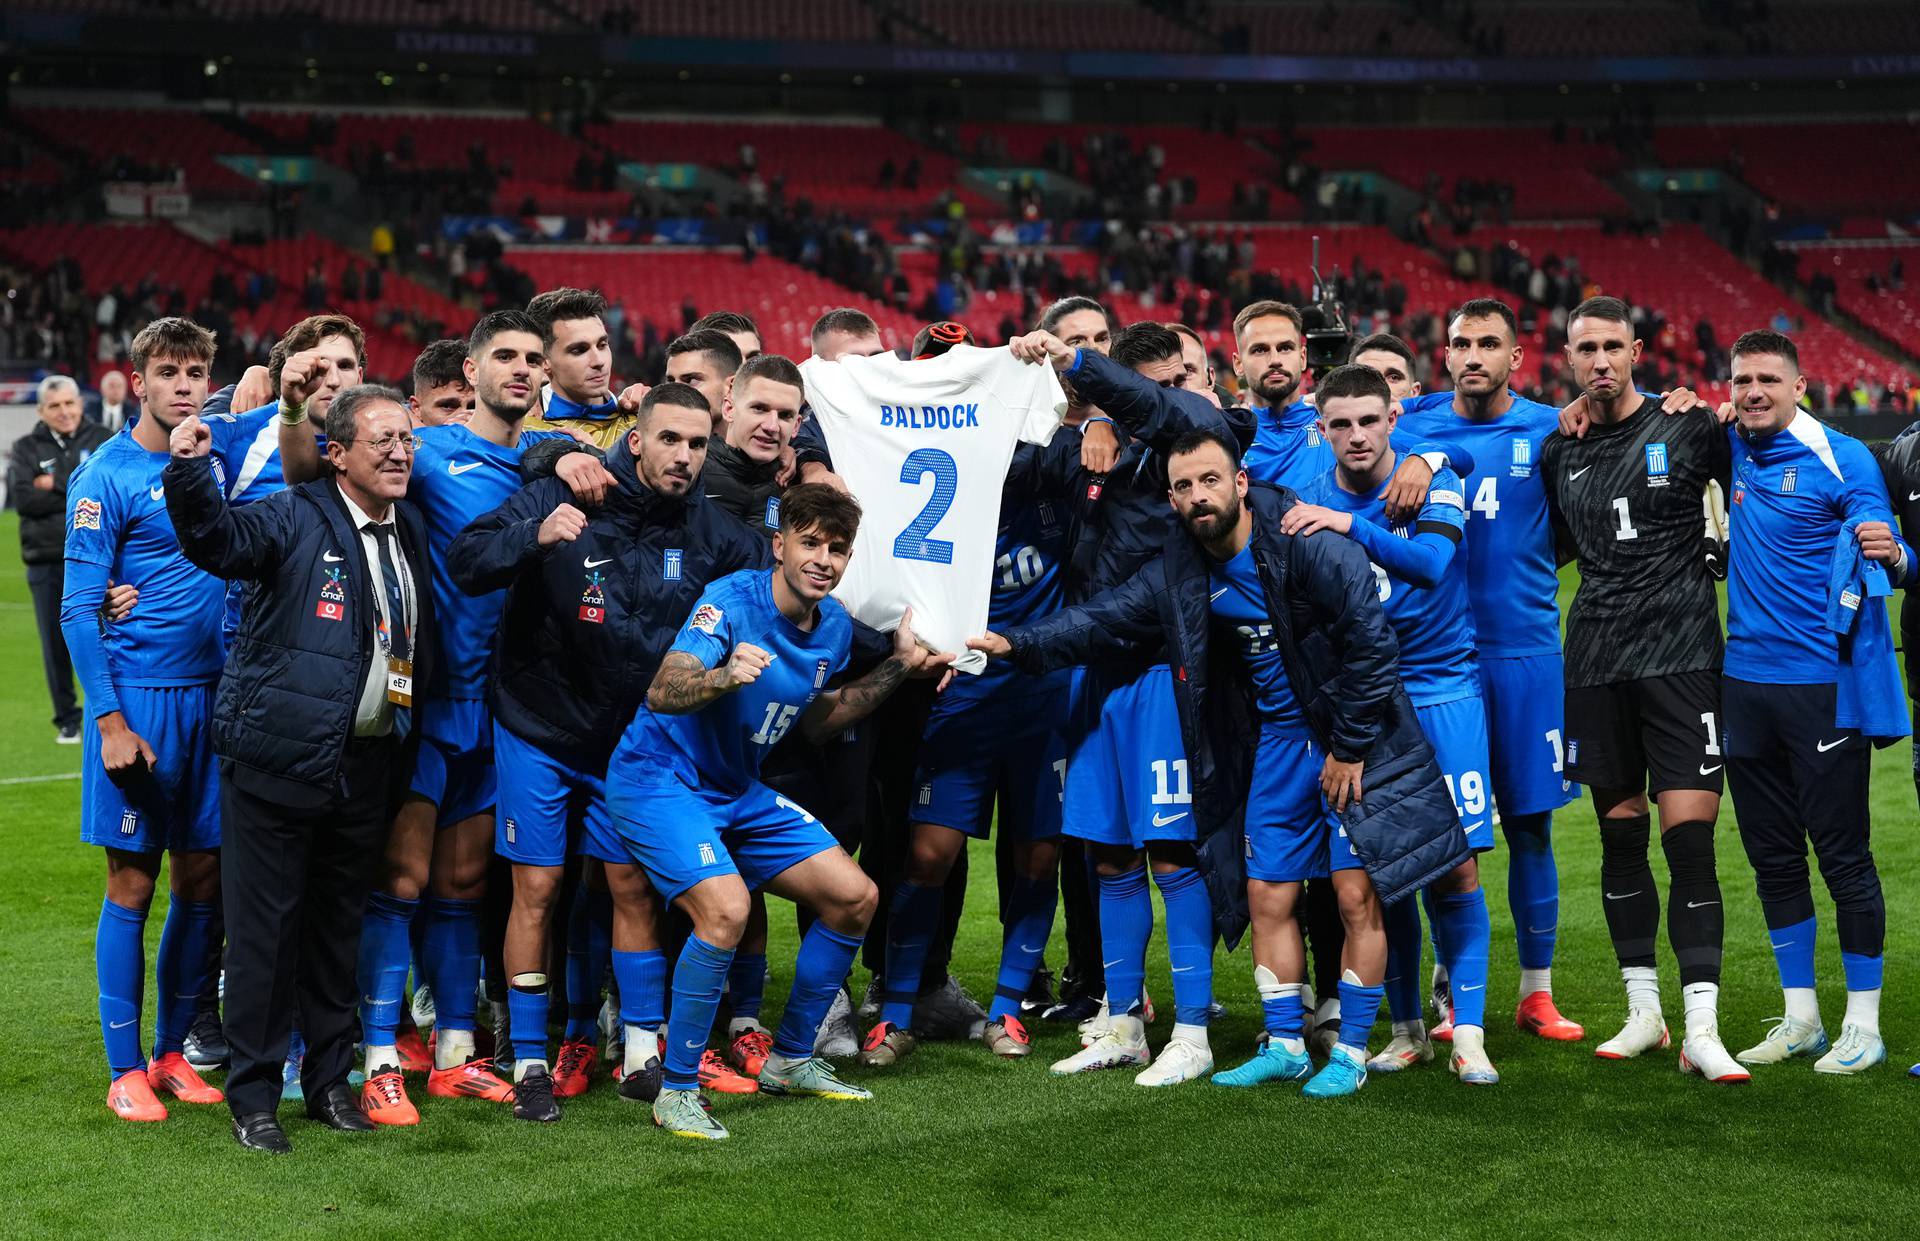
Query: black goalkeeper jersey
[(1626, 502)]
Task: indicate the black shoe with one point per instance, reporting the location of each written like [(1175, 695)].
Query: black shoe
[(1073, 1011), (533, 1096), (69, 734), (336, 1108), (206, 1045), (260, 1131), (642, 1085), (1039, 997)]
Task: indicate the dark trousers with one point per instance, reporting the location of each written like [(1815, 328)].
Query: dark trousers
[(896, 729), (294, 881), (48, 582), (1790, 792)]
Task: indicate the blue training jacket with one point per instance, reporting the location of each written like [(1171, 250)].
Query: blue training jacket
[(1869, 696)]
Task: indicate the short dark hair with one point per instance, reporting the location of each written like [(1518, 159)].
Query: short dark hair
[(308, 333), (843, 319), (1487, 308), (440, 363), (1766, 340), (497, 321), (725, 321), (558, 305), (1187, 332), (1351, 380), (1051, 316), (1198, 438), (770, 366), (712, 341), (1609, 309), (1265, 310), (817, 506), (686, 396), (344, 414), (1382, 342), (172, 337), (1143, 342)]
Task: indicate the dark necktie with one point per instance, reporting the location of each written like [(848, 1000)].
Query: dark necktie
[(401, 644)]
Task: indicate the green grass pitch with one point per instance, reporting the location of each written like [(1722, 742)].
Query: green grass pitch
[(956, 1143)]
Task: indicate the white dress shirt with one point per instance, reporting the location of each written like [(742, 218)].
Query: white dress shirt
[(374, 716)]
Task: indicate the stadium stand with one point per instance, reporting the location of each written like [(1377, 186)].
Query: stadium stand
[(1809, 167), (1087, 25), (145, 143), (1870, 283)]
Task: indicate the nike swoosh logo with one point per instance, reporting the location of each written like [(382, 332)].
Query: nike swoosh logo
[(1463, 987), (1788, 944), (1180, 969), (456, 469), (1107, 965), (594, 564), (1543, 930), (692, 1045), (1912, 496), (1856, 1060), (330, 558), (1024, 948), (1215, 596), (1707, 771), (1824, 746), (1624, 895), (1573, 474), (370, 1001), (1700, 904), (1158, 821), (121, 1025), (157, 493)]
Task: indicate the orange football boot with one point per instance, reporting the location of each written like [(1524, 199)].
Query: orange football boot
[(473, 1080), (414, 1056), (384, 1099), (1537, 1015), (749, 1052), (174, 1075), (131, 1097), (717, 1074), (573, 1071)]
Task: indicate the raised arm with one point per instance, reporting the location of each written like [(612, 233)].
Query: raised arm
[(300, 377), (491, 552), (225, 541), (1114, 622)]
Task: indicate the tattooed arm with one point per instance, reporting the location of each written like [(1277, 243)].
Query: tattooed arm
[(683, 684), (842, 708)]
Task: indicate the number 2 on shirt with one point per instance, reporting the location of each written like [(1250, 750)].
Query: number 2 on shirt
[(913, 543)]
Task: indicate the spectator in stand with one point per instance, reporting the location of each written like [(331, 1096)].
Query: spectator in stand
[(115, 407)]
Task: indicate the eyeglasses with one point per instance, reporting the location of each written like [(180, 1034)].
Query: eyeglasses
[(384, 445)]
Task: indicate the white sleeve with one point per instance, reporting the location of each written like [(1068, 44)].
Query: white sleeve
[(1031, 391)]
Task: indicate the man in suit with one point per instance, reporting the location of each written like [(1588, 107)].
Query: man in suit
[(310, 733), (43, 460), (114, 408)]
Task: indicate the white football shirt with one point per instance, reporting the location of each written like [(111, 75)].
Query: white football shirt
[(924, 446)]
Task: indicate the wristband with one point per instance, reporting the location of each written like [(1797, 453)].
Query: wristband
[(1087, 422), (293, 415)]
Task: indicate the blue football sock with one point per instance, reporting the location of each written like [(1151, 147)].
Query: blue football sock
[(120, 962), (641, 979), (589, 947), (1358, 1007), (1029, 915), (911, 921), (1403, 960), (747, 985), (1286, 1014), (1189, 942), (1533, 887), (527, 1016), (180, 971), (385, 942), (821, 966), (1467, 934), (416, 950), (1793, 951), (1862, 972), (451, 952), (1126, 923), (699, 977)]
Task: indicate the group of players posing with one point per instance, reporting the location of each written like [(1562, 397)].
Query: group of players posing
[(634, 610)]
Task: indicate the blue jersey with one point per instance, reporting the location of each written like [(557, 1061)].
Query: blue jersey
[(117, 520), (247, 446), (1288, 449), (1513, 578), (1029, 585), (1237, 599), (459, 475), (1792, 493), (1433, 623), (721, 746)]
